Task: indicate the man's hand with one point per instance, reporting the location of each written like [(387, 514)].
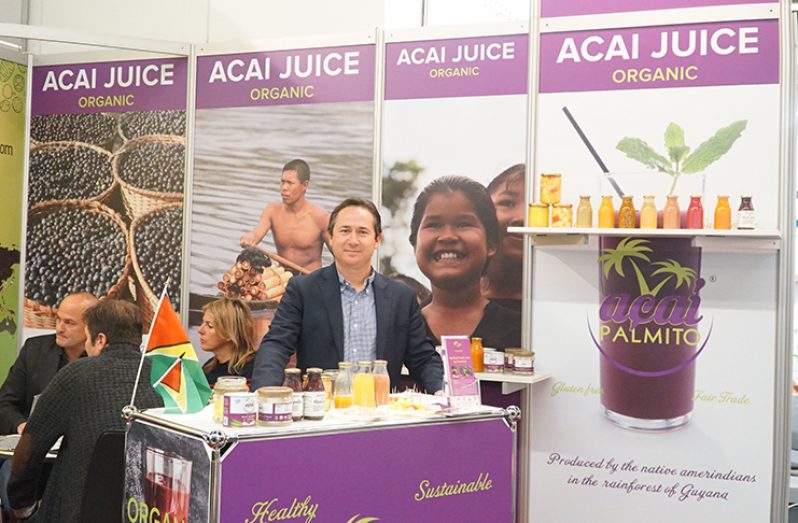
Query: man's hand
[(21, 427), (248, 240)]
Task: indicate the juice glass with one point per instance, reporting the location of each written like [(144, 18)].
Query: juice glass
[(167, 484)]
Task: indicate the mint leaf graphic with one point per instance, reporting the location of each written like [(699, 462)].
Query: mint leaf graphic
[(638, 150), (674, 136), (674, 142), (711, 150)]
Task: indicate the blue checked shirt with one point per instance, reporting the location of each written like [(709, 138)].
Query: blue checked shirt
[(360, 320)]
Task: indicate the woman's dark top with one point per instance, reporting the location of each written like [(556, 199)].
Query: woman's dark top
[(499, 328), (221, 370)]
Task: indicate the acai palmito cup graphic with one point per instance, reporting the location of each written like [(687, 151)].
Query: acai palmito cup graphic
[(167, 484), (648, 332)]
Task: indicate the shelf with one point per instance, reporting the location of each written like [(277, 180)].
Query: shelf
[(512, 382), (718, 240)]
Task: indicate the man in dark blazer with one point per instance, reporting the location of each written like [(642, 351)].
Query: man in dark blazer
[(40, 358), (310, 319)]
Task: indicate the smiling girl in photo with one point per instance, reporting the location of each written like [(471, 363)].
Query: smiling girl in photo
[(455, 232)]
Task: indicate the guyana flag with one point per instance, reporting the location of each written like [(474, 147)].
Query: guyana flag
[(176, 372)]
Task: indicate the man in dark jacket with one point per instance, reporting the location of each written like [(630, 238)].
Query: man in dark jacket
[(84, 400), (349, 312), (40, 358)]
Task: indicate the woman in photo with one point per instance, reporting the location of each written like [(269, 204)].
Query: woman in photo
[(454, 232), (503, 281), (227, 331)]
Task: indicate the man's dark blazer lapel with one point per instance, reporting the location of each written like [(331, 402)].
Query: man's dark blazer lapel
[(384, 304), (331, 294)]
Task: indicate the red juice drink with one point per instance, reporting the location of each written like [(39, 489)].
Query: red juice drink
[(167, 484), (648, 330)]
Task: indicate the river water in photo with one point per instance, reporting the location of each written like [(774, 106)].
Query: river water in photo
[(239, 155)]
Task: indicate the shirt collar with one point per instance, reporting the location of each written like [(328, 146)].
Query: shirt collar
[(342, 282)]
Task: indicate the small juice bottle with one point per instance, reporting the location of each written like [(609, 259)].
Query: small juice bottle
[(382, 383), (648, 213), (342, 397), (584, 212), (723, 213), (671, 215), (626, 214), (746, 216), (363, 385), (606, 213), (477, 354), (695, 213)]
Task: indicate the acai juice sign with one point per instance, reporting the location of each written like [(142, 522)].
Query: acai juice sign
[(648, 333)]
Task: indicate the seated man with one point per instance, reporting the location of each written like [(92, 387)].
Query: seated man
[(349, 312), (84, 400), (40, 358)]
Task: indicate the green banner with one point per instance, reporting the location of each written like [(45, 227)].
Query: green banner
[(12, 154)]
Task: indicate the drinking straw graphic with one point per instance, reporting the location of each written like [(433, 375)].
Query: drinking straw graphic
[(592, 151)]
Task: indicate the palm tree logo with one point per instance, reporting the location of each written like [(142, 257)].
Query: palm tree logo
[(636, 250)]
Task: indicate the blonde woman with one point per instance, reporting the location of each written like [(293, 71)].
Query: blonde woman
[(227, 331)]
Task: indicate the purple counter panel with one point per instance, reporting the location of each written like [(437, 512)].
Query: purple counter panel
[(121, 86), (723, 53), (459, 471), (286, 77), (484, 66), (581, 7)]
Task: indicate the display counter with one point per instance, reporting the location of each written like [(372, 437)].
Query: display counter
[(188, 468)]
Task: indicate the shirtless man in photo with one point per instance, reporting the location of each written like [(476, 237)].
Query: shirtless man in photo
[(299, 227)]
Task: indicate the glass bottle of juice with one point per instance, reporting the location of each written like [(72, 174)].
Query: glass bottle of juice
[(648, 213), (695, 213), (293, 380), (722, 213), (746, 217), (343, 386), (671, 215), (314, 395), (382, 383), (606, 213), (626, 214), (584, 212), (477, 354), (363, 385)]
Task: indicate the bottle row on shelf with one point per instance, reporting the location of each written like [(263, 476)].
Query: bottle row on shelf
[(550, 212)]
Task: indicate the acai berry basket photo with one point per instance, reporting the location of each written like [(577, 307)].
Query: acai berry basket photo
[(150, 171), (69, 170), (72, 246)]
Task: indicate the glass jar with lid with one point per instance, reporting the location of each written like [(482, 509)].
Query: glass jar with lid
[(293, 380), (226, 384), (275, 406)]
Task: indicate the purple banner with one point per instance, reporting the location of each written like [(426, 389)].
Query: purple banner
[(486, 66), (580, 7), (727, 53), (103, 87), (299, 76), (459, 471)]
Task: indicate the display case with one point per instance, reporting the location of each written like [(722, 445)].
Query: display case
[(188, 468)]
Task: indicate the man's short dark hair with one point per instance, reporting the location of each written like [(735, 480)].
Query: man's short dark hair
[(357, 202), (119, 320), (300, 167)]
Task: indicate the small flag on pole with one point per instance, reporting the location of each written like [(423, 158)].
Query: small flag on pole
[(176, 372)]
